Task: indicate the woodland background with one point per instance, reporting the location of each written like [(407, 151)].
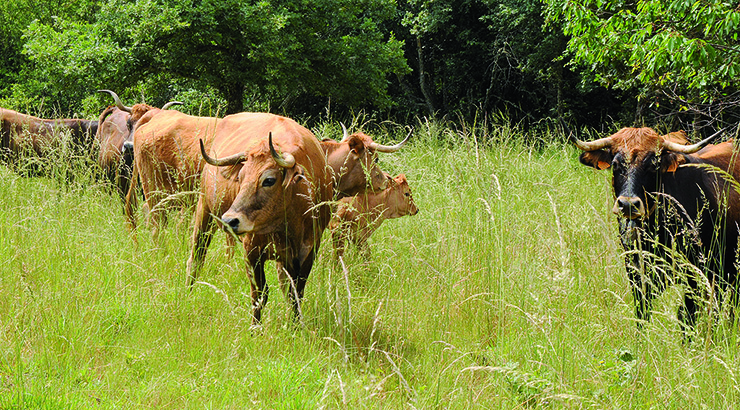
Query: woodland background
[(584, 63)]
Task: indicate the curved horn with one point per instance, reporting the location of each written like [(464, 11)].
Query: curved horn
[(345, 134), (285, 161), (119, 104), (593, 145), (171, 103), (690, 149), (391, 148), (221, 162)]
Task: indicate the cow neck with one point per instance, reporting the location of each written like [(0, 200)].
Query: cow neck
[(376, 203), (330, 148)]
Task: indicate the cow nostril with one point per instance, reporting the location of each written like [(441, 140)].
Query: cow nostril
[(233, 223), (628, 206)]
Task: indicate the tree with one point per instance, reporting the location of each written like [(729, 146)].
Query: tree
[(687, 51), (495, 56), (332, 48)]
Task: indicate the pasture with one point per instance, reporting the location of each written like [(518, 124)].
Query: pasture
[(507, 290)]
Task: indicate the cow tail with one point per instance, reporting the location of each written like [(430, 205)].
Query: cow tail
[(131, 201)]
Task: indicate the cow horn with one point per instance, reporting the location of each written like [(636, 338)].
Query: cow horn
[(221, 162), (285, 161), (119, 104), (345, 134), (171, 103), (391, 148), (690, 149), (593, 145)]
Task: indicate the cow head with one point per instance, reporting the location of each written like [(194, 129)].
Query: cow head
[(400, 200), (354, 162), (268, 184), (638, 158)]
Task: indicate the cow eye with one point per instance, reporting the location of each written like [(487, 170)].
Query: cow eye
[(270, 181)]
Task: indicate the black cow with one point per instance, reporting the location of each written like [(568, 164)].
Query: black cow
[(676, 204)]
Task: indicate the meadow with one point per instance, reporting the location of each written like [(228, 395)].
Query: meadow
[(507, 290)]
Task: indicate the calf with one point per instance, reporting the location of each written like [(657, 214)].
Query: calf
[(359, 216)]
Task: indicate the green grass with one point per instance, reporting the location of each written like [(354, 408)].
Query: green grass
[(506, 290)]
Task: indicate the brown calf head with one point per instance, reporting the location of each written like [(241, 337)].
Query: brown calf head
[(400, 200)]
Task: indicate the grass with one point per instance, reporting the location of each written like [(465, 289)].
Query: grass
[(506, 290)]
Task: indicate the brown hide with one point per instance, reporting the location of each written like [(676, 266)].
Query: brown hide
[(282, 211), (25, 132), (167, 157), (349, 161), (357, 218)]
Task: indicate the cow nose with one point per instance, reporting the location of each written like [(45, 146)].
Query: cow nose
[(630, 207), (232, 223)]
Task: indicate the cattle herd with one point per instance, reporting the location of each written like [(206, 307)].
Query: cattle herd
[(262, 178), (271, 184)]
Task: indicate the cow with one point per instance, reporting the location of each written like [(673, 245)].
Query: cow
[(351, 161), (676, 202), (357, 217), (279, 204), (167, 160), (115, 135), (20, 132)]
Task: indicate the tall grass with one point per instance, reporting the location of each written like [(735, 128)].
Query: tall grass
[(506, 290)]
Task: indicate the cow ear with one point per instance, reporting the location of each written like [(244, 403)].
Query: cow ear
[(598, 159), (669, 162), (356, 144), (294, 175)]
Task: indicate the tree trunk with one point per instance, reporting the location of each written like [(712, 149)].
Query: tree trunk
[(422, 78), (234, 94)]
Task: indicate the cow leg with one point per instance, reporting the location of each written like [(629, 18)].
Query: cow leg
[(338, 240), (298, 278), (642, 290), (687, 315), (203, 228), (260, 290)]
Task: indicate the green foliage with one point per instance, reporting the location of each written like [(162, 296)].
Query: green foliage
[(690, 48), (494, 56), (68, 60), (279, 48)]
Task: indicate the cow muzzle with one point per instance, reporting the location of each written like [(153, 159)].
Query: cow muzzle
[(629, 207), (236, 223)]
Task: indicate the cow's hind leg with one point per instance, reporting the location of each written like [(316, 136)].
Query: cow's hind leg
[(297, 277), (687, 315), (203, 228)]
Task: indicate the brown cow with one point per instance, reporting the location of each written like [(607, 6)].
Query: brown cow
[(678, 202), (357, 217), (278, 202), (167, 159), (115, 135), (352, 160), (21, 132)]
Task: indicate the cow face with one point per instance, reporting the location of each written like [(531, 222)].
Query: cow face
[(400, 200), (638, 158), (271, 189), (357, 166)]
